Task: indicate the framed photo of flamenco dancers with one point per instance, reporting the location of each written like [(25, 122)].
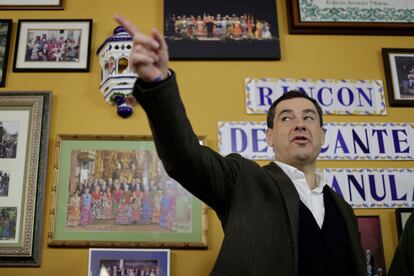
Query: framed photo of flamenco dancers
[(24, 127), (221, 30), (113, 191), (109, 261)]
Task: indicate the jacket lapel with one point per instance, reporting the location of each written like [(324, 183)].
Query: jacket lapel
[(290, 199), (352, 227)]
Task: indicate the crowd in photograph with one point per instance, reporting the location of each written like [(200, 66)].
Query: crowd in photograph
[(217, 27), (4, 183), (47, 47), (130, 202)]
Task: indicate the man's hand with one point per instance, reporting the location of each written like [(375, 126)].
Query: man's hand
[(149, 54)]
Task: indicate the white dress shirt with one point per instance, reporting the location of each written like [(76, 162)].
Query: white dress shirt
[(313, 199)]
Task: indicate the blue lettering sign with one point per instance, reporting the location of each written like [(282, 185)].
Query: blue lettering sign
[(236, 133)]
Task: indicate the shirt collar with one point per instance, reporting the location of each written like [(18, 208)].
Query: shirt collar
[(294, 174)]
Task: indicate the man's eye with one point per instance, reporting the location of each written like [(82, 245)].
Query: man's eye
[(285, 119), (309, 118)]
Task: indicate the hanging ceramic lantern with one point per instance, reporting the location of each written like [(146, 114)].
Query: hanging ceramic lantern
[(117, 78)]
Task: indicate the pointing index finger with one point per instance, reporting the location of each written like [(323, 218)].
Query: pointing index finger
[(129, 27)]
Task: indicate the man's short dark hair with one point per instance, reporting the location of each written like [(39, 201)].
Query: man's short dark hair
[(287, 96)]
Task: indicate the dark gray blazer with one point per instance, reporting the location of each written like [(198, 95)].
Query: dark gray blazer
[(258, 206)]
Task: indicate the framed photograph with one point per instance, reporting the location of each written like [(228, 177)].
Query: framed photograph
[(5, 32), (53, 45), (105, 261), (351, 17), (221, 30), (369, 228), (24, 126), (112, 191), (31, 4), (399, 75), (402, 215)]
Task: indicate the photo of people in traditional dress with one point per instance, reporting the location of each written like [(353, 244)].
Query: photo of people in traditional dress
[(217, 27), (4, 183), (9, 132), (8, 217), (129, 268), (221, 29), (405, 73), (369, 228), (125, 191), (53, 45)]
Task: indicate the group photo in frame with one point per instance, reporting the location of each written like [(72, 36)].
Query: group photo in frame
[(221, 30), (58, 45), (114, 191), (31, 4), (109, 261), (401, 216), (24, 127), (5, 33), (369, 228), (350, 17), (399, 75)]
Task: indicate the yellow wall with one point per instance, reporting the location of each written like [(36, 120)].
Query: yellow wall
[(212, 91)]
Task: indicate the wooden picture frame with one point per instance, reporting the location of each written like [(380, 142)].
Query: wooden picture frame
[(399, 75), (349, 18), (31, 4), (58, 45), (369, 228), (133, 199), (401, 216), (129, 261), (24, 118)]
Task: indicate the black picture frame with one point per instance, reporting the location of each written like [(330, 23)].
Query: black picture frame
[(362, 21), (401, 216), (30, 111), (34, 5), (399, 76), (5, 34), (58, 45), (221, 30)]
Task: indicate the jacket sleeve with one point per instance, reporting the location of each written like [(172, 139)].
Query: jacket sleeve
[(403, 261), (202, 171)]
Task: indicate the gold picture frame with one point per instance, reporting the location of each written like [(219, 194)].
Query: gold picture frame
[(112, 191)]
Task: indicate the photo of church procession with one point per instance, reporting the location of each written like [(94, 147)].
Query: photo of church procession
[(53, 45), (124, 191), (217, 27), (9, 132)]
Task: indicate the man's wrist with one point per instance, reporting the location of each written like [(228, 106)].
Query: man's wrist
[(159, 78)]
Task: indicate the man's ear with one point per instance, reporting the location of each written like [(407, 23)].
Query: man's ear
[(323, 134), (269, 136)]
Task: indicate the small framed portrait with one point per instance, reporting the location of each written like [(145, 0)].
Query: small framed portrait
[(151, 262), (369, 228), (402, 215), (399, 75), (31, 4), (5, 31), (53, 45)]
